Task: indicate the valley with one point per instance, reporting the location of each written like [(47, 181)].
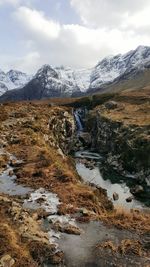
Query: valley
[(64, 185)]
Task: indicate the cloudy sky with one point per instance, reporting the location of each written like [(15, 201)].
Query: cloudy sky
[(76, 33)]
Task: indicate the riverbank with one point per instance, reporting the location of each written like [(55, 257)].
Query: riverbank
[(121, 130), (39, 138)]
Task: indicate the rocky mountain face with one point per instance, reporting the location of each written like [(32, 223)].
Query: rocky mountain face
[(12, 79), (66, 82), (120, 67), (52, 82)]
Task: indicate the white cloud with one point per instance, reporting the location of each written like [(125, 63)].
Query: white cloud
[(48, 41), (27, 62), (111, 13), (36, 22), (140, 19)]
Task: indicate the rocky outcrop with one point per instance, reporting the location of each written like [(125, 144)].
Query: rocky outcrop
[(125, 146), (62, 128)]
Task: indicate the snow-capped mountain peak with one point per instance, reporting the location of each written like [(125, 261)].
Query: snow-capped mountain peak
[(64, 81), (111, 68), (13, 79)]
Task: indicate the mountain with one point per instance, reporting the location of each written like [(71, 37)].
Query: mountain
[(65, 82), (12, 79), (114, 69), (52, 82)]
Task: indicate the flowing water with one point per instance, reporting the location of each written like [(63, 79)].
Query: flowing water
[(78, 120), (113, 183)]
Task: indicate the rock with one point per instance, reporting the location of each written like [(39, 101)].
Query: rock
[(66, 114), (7, 261), (85, 212), (66, 228), (138, 189), (90, 164), (85, 138), (111, 105), (11, 173), (72, 230), (129, 199), (14, 163), (57, 258), (115, 196), (40, 200), (51, 105)]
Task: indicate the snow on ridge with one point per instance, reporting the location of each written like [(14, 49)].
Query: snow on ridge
[(67, 81), (112, 67), (12, 79)]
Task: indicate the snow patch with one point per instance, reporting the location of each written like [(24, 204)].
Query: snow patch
[(48, 201)]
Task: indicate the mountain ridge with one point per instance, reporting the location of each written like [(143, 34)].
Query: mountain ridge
[(65, 82), (12, 79)]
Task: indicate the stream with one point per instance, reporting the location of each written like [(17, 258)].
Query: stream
[(80, 250), (94, 176), (112, 182)]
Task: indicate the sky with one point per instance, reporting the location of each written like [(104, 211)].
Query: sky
[(75, 33)]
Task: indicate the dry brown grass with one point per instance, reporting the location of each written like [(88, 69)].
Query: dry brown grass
[(133, 220), (125, 247), (44, 167), (133, 108), (10, 241), (129, 114)]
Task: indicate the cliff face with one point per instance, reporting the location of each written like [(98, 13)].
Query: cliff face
[(121, 133)]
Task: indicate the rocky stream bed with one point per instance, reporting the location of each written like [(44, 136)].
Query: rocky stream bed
[(62, 210)]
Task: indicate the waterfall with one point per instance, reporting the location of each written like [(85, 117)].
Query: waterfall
[(78, 120)]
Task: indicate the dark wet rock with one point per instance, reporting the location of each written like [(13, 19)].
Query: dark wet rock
[(111, 105), (89, 164), (125, 147), (85, 138), (137, 190), (40, 200), (129, 199), (15, 163), (115, 196)]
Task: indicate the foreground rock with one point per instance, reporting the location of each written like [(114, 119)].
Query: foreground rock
[(115, 196)]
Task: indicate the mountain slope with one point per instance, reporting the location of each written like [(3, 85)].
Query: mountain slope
[(114, 73), (120, 67), (12, 79), (50, 82)]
